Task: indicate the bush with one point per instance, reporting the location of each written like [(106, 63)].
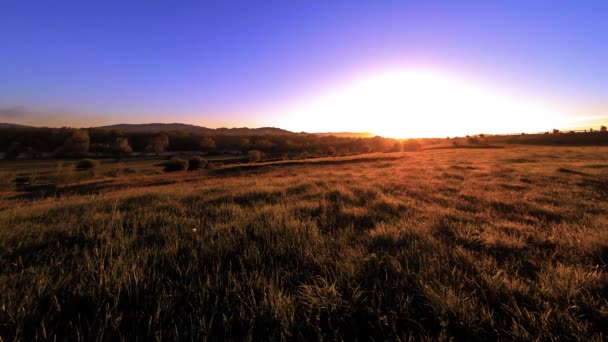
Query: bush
[(210, 166), (473, 141), (411, 145), (196, 163), (87, 164), (176, 164)]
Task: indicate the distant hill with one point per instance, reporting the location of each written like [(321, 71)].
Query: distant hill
[(347, 134), (157, 127), (8, 125), (180, 127)]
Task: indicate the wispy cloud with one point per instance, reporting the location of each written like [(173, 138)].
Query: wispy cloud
[(48, 118), (13, 113)]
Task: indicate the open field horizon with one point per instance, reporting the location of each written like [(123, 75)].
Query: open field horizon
[(304, 170), (597, 125), (461, 243)]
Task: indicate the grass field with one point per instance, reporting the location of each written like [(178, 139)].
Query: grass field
[(471, 244), (64, 171)]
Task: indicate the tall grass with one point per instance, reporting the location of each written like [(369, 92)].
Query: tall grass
[(465, 244)]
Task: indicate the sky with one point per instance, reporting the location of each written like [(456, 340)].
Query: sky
[(396, 68)]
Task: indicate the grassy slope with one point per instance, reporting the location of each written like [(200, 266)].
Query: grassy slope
[(63, 171), (508, 243)]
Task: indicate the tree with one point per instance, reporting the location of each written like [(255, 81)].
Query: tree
[(397, 147), (158, 143), (264, 144), (603, 129), (473, 141), (207, 144), (100, 148), (380, 144), (13, 151), (255, 155), (76, 145), (411, 145), (121, 146), (244, 144), (331, 151)]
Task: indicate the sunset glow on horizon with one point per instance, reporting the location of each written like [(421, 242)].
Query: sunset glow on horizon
[(397, 69), (413, 103)]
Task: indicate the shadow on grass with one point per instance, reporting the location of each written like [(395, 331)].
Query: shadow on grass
[(32, 254), (464, 147), (570, 171), (52, 190), (305, 162), (598, 186)]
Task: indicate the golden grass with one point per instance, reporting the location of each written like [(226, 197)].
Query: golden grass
[(469, 244)]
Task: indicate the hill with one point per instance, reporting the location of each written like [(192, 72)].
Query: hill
[(157, 127), (9, 125), (346, 134)]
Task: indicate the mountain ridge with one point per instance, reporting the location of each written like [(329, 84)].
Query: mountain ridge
[(158, 127), (8, 125), (189, 128)]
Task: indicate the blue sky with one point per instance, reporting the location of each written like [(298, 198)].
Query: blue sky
[(236, 63)]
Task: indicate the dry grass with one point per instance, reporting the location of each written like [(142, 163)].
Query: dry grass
[(465, 244)]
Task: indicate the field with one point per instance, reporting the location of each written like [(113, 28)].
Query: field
[(471, 244), (64, 171)]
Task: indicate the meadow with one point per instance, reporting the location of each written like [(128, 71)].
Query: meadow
[(469, 244)]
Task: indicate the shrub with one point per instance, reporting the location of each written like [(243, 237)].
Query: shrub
[(176, 164), (210, 166), (196, 163), (473, 141), (411, 145), (87, 164)]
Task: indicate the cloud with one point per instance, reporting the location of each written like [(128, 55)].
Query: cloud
[(13, 113), (50, 117)]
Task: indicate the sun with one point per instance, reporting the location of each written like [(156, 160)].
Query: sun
[(417, 103)]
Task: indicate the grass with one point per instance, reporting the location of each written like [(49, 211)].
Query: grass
[(471, 244), (66, 171)]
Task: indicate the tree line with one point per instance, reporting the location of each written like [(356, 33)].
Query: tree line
[(70, 142)]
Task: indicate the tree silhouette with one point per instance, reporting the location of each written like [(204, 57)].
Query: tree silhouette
[(77, 145), (207, 144), (158, 143), (121, 146)]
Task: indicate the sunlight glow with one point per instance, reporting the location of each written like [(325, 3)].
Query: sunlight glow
[(418, 103)]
